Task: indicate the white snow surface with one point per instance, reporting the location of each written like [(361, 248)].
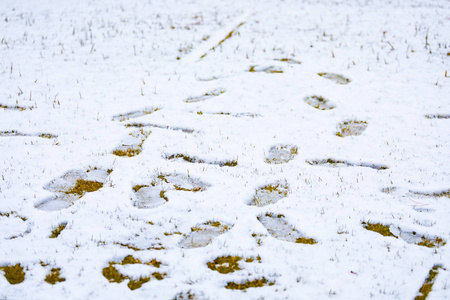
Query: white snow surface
[(70, 68)]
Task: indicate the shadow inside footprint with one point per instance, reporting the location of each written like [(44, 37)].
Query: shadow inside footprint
[(319, 102), (202, 235), (349, 128), (280, 229), (281, 153), (336, 78)]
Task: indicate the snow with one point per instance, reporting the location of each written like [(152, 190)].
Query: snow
[(217, 82)]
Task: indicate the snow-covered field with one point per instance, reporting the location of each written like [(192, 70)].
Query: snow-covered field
[(224, 149)]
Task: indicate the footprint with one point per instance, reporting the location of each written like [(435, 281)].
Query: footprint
[(13, 225), (411, 237), (249, 284), (336, 78), (72, 186), (149, 196), (16, 133), (132, 269), (14, 274), (270, 193), (141, 125), (437, 116), (289, 60), (339, 163), (132, 145), (349, 128), (319, 102), (153, 195), (265, 69), (281, 153), (282, 230), (229, 264), (135, 114), (193, 159), (202, 235), (206, 96), (438, 194)]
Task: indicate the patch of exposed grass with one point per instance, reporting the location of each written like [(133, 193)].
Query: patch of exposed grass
[(135, 284), (47, 136), (225, 264), (137, 187), (12, 214), (130, 152), (428, 284), (303, 240), (431, 243), (248, 284), (14, 274), (113, 275), (54, 276), (85, 186), (57, 231), (379, 228)]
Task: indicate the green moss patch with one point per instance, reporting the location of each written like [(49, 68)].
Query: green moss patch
[(14, 274), (429, 282), (57, 231), (113, 275), (379, 228), (249, 284), (54, 276), (84, 186), (225, 264)]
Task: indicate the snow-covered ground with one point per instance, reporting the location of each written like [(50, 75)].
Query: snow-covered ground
[(238, 147)]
